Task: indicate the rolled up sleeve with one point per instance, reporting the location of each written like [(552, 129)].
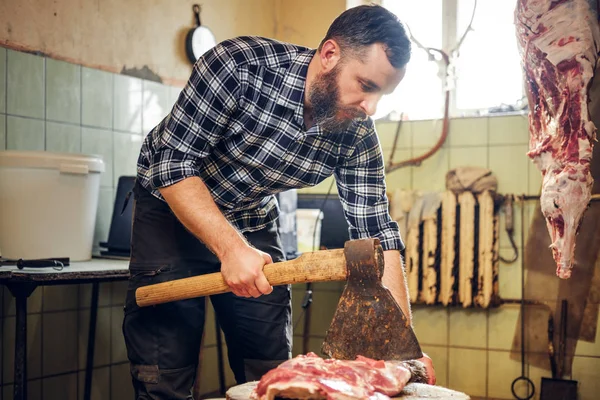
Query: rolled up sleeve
[(362, 190), (198, 120)]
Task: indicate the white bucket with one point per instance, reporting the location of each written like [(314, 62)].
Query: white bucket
[(48, 204), (308, 220)]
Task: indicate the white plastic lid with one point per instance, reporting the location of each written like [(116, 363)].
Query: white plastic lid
[(66, 162)]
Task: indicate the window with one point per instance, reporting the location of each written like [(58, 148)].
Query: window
[(488, 68), (487, 72), (419, 95)]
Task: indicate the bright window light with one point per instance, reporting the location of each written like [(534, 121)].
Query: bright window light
[(487, 72), (488, 68), (419, 95)]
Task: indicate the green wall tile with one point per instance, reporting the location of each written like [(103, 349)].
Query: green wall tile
[(2, 80), (126, 152), (25, 85), (63, 91), (96, 98), (156, 104), (99, 141), (60, 342), (120, 382), (61, 387), (24, 134), (2, 132), (127, 104), (64, 138)]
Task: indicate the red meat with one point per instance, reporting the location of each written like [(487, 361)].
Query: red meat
[(311, 377), (559, 43)]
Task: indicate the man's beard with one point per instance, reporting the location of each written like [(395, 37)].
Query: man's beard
[(324, 96)]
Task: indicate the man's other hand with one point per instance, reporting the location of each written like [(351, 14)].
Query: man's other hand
[(242, 270), (430, 370)]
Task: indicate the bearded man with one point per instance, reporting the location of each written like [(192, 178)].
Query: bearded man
[(256, 117)]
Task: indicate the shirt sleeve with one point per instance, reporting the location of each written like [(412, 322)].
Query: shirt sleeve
[(362, 191), (198, 119)]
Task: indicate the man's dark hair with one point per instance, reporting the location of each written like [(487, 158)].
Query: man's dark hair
[(360, 27)]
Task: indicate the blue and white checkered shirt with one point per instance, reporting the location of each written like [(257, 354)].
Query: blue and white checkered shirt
[(239, 126)]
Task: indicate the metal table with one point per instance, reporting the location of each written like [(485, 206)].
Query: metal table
[(22, 282)]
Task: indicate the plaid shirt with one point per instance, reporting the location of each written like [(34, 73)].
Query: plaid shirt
[(238, 125)]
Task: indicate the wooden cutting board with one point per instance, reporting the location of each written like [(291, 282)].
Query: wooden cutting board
[(412, 391)]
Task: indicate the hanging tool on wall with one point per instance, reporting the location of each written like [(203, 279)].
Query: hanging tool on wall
[(509, 224), (523, 378), (199, 39)]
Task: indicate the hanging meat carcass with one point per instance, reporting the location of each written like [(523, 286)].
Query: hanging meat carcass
[(559, 43)]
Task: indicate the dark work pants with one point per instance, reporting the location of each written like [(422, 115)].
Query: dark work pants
[(163, 341)]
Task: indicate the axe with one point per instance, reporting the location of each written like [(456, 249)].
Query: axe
[(367, 321)]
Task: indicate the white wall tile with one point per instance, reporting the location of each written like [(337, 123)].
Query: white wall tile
[(503, 323), (431, 325), (502, 370), (60, 342), (34, 347), (586, 370), (156, 104), (103, 337), (117, 343), (508, 130), (468, 371), (60, 297), (387, 133), (426, 133), (402, 177), (61, 387), (439, 356), (100, 384), (476, 156), (120, 382), (174, 92), (510, 165), (431, 174), (468, 132), (468, 328)]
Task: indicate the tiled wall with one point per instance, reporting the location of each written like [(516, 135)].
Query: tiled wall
[(56, 106), (472, 348)]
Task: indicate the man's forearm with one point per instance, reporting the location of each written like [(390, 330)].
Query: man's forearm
[(394, 279), (194, 206)]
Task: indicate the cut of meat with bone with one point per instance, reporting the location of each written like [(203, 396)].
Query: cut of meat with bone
[(559, 42), (312, 377)]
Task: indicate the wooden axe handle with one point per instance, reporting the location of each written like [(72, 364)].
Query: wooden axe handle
[(317, 266)]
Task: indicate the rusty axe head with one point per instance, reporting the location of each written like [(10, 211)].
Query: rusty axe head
[(368, 321)]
